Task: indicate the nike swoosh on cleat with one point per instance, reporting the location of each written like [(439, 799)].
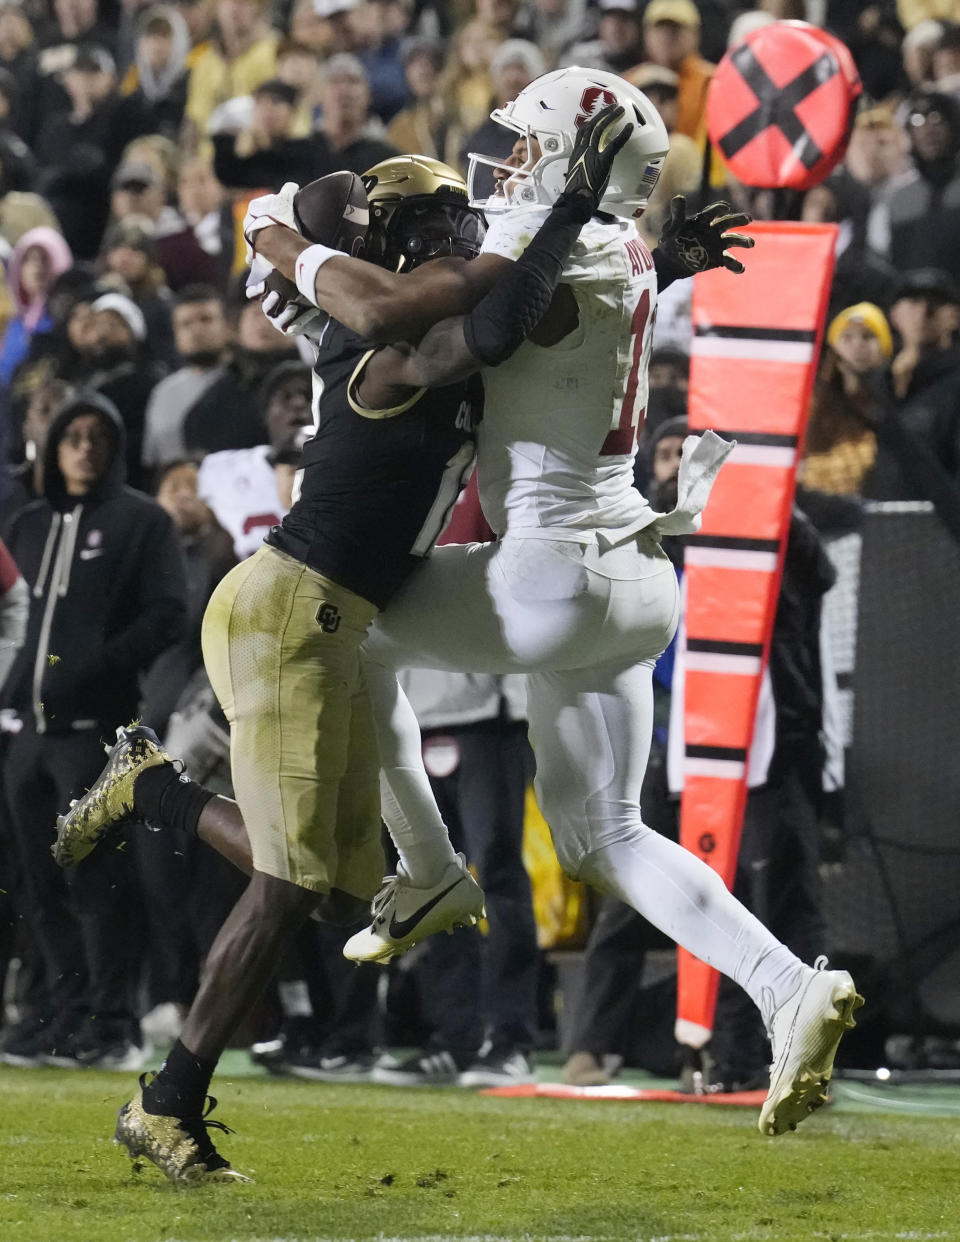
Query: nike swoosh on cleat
[(399, 930)]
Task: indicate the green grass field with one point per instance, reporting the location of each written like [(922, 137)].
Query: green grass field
[(367, 1162)]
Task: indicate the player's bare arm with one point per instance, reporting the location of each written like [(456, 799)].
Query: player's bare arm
[(381, 305)]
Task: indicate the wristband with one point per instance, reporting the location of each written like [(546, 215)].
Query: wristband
[(308, 263)]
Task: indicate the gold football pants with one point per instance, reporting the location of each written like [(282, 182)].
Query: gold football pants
[(280, 643)]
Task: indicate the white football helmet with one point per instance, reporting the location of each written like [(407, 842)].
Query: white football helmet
[(551, 110)]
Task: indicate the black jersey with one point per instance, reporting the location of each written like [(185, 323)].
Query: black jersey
[(378, 486)]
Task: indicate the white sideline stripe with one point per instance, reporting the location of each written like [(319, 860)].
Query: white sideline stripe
[(724, 769), (722, 662), (750, 349), (780, 455), (730, 558), (898, 506)]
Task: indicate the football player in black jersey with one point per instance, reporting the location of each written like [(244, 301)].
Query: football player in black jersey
[(281, 641)]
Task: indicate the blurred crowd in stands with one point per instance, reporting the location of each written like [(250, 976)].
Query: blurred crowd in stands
[(131, 137)]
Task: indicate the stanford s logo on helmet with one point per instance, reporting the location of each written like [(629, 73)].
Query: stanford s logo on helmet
[(550, 111), (593, 100)]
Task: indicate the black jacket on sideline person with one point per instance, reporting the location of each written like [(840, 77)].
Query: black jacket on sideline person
[(288, 159), (107, 592)]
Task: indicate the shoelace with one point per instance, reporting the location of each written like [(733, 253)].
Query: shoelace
[(198, 1128), (383, 899)]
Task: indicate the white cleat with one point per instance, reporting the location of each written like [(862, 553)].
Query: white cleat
[(403, 915), (805, 1033)]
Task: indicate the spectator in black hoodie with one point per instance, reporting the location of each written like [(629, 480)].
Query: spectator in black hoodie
[(108, 594)]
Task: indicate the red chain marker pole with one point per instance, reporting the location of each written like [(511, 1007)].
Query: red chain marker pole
[(753, 360)]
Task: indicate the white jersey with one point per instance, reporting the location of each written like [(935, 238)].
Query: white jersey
[(240, 486), (559, 432)]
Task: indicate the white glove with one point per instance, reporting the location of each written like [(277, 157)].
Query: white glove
[(268, 210), (294, 318), (256, 284)]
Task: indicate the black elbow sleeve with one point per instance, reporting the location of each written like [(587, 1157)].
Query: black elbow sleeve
[(503, 319), (499, 324)]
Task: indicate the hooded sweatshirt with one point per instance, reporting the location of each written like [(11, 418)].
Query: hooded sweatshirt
[(31, 314), (161, 96), (156, 86), (107, 591)]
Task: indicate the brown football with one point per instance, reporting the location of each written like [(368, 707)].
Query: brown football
[(332, 211)]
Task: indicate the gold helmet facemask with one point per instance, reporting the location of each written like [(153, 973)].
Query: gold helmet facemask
[(418, 211)]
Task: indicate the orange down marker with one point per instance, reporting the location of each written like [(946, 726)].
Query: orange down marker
[(755, 348)]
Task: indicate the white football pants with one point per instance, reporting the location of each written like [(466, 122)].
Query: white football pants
[(586, 627)]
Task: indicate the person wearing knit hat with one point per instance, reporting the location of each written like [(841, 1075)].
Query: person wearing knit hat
[(841, 442), (858, 326), (126, 309)]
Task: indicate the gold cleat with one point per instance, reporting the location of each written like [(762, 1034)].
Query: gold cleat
[(181, 1147), (109, 800)]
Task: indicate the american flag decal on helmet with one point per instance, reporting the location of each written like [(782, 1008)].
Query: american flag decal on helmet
[(592, 101)]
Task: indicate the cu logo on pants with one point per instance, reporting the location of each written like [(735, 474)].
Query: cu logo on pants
[(328, 618)]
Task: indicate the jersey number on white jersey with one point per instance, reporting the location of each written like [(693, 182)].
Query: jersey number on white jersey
[(620, 439)]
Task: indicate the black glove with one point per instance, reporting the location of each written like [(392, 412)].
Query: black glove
[(697, 243), (591, 159)]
